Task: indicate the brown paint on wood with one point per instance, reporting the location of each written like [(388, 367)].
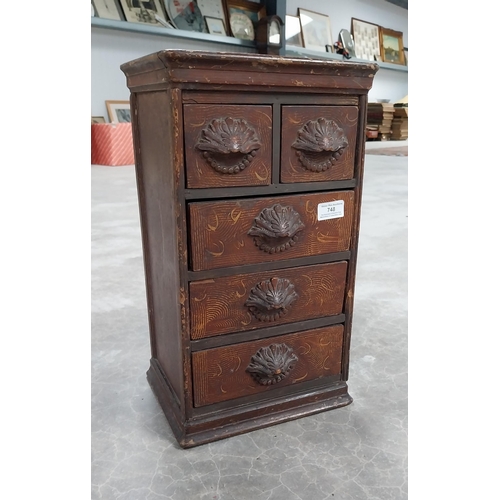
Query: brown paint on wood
[(237, 192), (225, 97), (293, 120), (220, 374), (253, 80), (268, 266), (192, 234), (351, 275), (205, 69), (219, 230), (218, 306), (199, 172), (161, 218), (268, 332)]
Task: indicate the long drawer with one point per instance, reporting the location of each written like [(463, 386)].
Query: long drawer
[(251, 301), (249, 368), (250, 231)]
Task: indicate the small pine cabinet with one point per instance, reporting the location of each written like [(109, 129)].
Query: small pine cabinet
[(249, 173)]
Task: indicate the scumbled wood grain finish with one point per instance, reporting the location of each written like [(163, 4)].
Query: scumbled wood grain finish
[(200, 173), (294, 119), (220, 230), (210, 225), (220, 374), (218, 305)]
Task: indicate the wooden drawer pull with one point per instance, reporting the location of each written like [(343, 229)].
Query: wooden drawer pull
[(269, 365), (228, 144), (319, 144), (276, 228), (269, 300)]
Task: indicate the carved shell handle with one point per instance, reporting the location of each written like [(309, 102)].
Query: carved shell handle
[(276, 228), (319, 144), (228, 144), (269, 365), (269, 300)]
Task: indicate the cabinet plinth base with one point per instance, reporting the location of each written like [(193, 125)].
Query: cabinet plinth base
[(245, 418)]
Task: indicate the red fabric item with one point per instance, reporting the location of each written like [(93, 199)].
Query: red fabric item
[(112, 144)]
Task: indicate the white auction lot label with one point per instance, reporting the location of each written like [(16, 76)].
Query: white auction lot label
[(331, 210)]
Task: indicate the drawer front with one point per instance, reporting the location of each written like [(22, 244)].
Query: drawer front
[(255, 367), (251, 301), (318, 143), (250, 231), (227, 145)]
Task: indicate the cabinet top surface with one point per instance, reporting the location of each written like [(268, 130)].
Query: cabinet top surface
[(183, 56), (179, 64)]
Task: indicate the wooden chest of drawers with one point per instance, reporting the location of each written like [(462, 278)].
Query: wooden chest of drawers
[(249, 174)]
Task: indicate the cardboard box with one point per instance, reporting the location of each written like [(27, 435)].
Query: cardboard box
[(112, 144)]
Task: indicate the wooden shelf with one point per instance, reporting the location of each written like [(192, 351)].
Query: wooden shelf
[(228, 40)]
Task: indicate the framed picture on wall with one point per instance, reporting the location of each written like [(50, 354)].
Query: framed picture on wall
[(293, 33), (391, 46), (366, 39), (118, 111), (107, 9), (237, 10), (185, 15), (215, 26), (316, 30), (143, 11), (213, 8)]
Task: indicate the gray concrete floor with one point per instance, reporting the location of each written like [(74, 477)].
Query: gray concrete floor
[(357, 452)]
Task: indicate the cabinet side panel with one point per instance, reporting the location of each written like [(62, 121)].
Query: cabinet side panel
[(157, 198), (351, 273)]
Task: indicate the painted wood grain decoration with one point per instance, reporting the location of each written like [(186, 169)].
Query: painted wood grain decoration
[(231, 304), (321, 126), (250, 122), (221, 374), (223, 233)]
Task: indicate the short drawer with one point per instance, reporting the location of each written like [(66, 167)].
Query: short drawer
[(318, 143), (258, 300), (251, 368), (227, 145), (250, 231)]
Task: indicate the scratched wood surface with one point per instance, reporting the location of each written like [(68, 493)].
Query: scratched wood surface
[(199, 173), (218, 305), (160, 212), (195, 223), (220, 374), (293, 119), (237, 71), (219, 229)]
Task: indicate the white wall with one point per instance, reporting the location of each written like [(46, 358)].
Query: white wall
[(111, 48)]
